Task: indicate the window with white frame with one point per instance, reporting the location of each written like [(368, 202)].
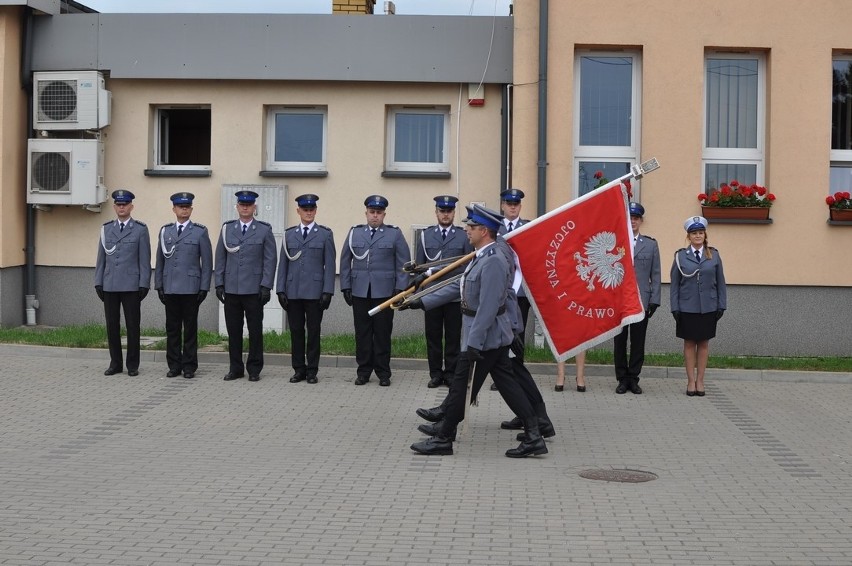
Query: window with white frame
[(606, 116), (840, 176), (734, 118), (296, 138), (181, 139), (418, 139)]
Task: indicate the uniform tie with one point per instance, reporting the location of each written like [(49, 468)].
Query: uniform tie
[(245, 226), (304, 232), (121, 226), (180, 229), (511, 226), (443, 233), (697, 256), (372, 233)]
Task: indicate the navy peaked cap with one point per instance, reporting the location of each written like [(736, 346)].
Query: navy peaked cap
[(376, 201), (480, 216), (182, 198), (247, 197), (123, 196), (446, 201), (512, 195), (307, 201), (637, 209)]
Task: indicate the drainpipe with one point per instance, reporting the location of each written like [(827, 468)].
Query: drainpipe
[(30, 301), (542, 107), (504, 139)]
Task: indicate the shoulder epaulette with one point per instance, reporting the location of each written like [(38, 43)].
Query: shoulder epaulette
[(202, 226), (262, 222), (358, 226), (649, 237), (229, 221), (323, 227), (392, 226), (108, 222), (169, 224), (141, 223), (680, 250)]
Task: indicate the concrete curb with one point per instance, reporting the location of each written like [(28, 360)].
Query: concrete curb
[(542, 369)]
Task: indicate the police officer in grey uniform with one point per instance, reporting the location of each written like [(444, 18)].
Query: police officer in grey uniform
[(486, 337), (371, 272), (122, 279), (646, 264), (244, 274), (443, 323), (305, 285), (182, 275)]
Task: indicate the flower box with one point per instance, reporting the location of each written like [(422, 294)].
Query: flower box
[(735, 212), (840, 214)]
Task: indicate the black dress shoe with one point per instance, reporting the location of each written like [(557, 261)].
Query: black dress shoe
[(312, 379), (188, 374), (173, 373), (559, 388), (297, 378), (361, 380), (526, 448), (699, 393), (133, 372), (435, 446), (634, 388), (690, 393), (432, 415), (254, 377), (435, 382), (230, 376), (384, 382), (112, 371), (514, 424), (435, 429), (622, 387)]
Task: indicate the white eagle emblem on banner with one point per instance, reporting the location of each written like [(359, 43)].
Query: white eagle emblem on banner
[(600, 264)]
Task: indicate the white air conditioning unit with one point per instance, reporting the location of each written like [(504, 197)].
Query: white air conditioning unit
[(70, 101), (65, 172)]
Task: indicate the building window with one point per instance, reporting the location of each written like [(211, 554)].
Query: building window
[(418, 139), (840, 176), (181, 138), (734, 119), (606, 116), (296, 138)]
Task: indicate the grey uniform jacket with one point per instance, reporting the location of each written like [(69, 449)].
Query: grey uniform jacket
[(306, 266), (701, 286), (374, 265), (432, 247), (184, 263), (646, 263), (245, 270), (503, 230), (124, 257), (487, 291)]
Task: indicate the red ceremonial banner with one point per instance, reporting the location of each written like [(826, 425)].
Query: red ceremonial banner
[(577, 263)]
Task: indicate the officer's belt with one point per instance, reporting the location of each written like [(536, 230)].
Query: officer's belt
[(472, 312)]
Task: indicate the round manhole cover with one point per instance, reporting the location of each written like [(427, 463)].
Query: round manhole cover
[(624, 476)]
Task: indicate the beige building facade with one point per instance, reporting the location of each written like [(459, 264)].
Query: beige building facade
[(715, 91)]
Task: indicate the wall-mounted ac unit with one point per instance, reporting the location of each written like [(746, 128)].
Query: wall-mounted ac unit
[(65, 172), (74, 100)]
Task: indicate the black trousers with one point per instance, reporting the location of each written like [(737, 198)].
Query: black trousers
[(237, 308), (443, 339), (113, 305), (524, 306), (497, 363), (372, 338), (182, 332), (631, 369), (305, 315)]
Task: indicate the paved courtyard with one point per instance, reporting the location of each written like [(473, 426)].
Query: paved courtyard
[(157, 471)]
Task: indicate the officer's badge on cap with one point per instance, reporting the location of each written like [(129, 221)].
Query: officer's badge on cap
[(512, 195), (637, 209), (694, 223), (446, 201), (376, 201), (123, 196), (307, 201), (480, 216), (246, 197), (182, 198)]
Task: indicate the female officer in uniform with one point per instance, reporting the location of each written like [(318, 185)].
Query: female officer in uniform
[(698, 299)]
